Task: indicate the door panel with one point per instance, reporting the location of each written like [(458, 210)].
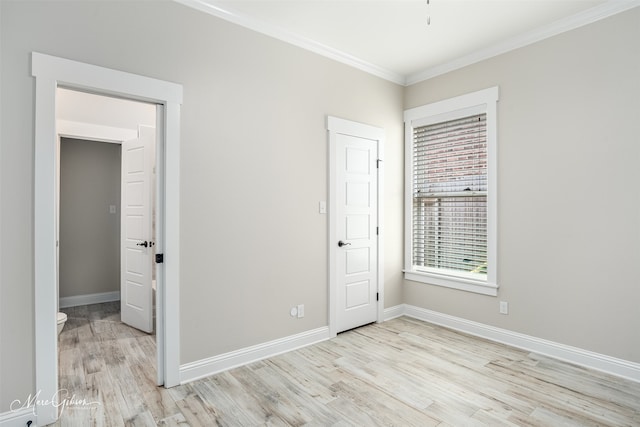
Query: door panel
[(136, 305), (356, 261), (358, 294), (357, 194), (358, 227)]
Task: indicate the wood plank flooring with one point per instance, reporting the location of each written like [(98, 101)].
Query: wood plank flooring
[(402, 372)]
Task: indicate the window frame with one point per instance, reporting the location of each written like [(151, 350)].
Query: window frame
[(483, 101)]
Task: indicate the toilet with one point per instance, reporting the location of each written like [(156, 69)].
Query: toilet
[(62, 318)]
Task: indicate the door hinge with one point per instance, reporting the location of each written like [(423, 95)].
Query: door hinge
[(159, 258), (377, 296), (377, 231), (378, 163)]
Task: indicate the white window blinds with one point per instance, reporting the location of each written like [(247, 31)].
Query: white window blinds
[(450, 197)]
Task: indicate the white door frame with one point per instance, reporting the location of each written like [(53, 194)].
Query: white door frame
[(341, 126), (51, 72)]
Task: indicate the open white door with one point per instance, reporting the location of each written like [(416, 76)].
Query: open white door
[(355, 225), (136, 305)]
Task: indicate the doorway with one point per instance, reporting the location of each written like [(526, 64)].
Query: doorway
[(105, 211), (89, 222), (51, 72)]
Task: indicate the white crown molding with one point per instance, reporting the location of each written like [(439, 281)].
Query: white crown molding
[(612, 7), (589, 16), (213, 365), (291, 38), (599, 362)]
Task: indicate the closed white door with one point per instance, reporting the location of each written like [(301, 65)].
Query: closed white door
[(136, 305), (356, 221)]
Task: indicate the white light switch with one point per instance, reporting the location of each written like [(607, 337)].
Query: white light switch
[(112, 208), (504, 307), (322, 207)]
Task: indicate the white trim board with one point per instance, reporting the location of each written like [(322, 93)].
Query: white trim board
[(97, 298), (577, 356), (560, 26), (93, 132), (393, 312), (18, 418), (223, 362), (247, 21)]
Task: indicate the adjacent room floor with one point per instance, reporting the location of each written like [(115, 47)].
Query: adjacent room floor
[(403, 372)]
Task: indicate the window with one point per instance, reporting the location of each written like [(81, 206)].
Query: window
[(450, 192)]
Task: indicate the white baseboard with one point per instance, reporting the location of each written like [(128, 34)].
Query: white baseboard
[(611, 365), (89, 299), (213, 365), (18, 418), (393, 312)]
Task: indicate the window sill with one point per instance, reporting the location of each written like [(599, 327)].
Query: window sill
[(477, 287)]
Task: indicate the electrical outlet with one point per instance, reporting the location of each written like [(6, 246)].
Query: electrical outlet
[(300, 311), (294, 311), (112, 209), (504, 307)]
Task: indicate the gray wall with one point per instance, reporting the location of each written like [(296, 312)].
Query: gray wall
[(253, 162), (569, 206), (89, 234)]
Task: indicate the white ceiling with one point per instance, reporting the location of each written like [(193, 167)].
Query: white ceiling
[(391, 38), (83, 107)]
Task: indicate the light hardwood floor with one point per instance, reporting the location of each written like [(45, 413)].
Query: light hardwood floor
[(402, 372)]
